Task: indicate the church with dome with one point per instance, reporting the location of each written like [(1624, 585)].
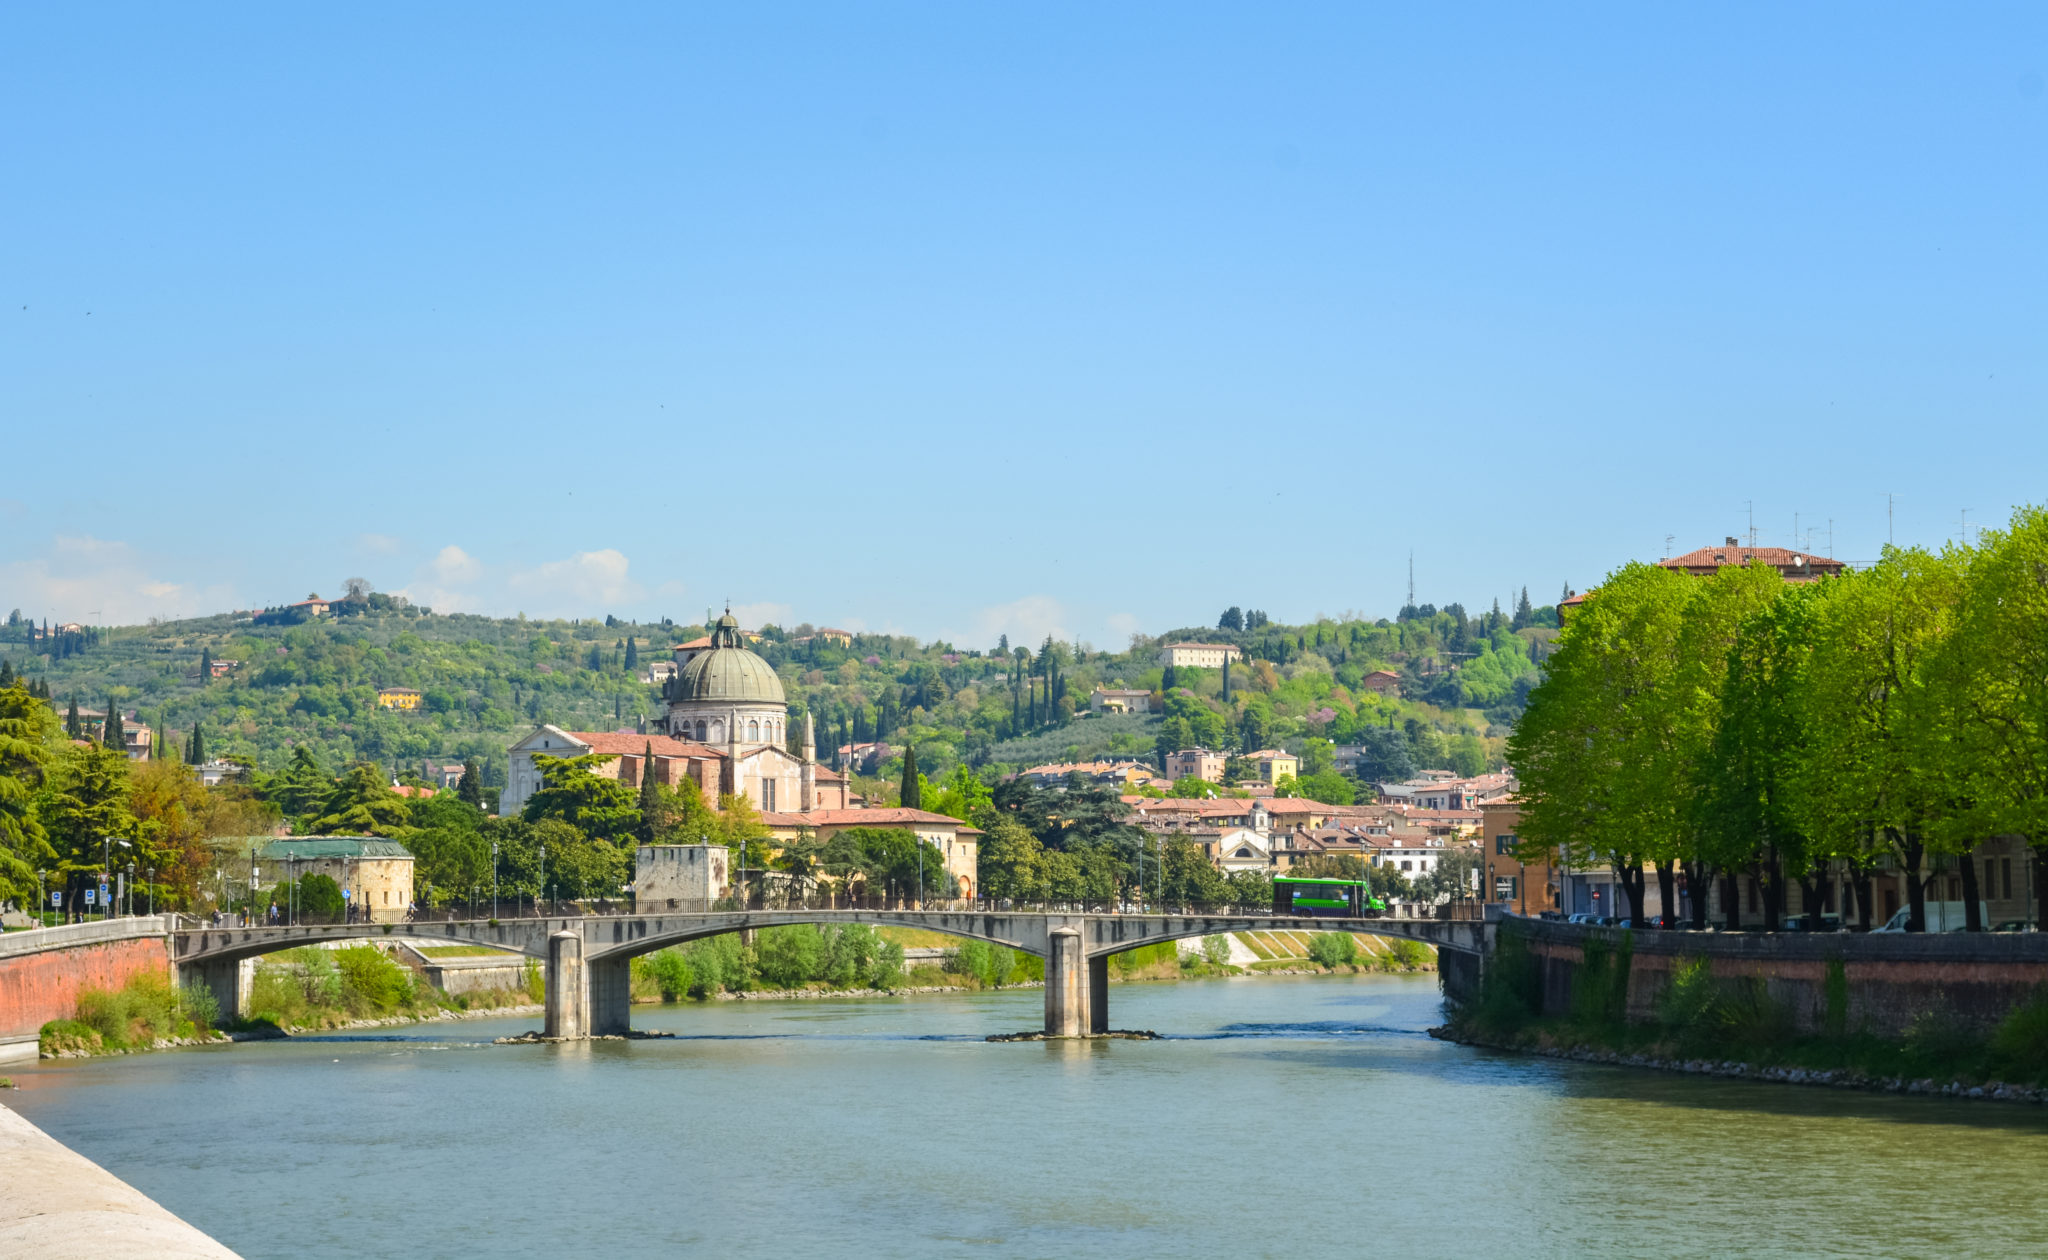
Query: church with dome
[(726, 730)]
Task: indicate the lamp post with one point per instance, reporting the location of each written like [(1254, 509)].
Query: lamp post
[(128, 893), (494, 884), (40, 901), (251, 919), (543, 883), (150, 883)]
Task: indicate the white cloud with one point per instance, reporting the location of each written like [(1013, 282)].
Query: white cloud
[(378, 544), (1027, 621), (455, 566), (581, 586), (82, 578), (754, 616)]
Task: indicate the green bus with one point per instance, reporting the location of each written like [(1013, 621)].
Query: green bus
[(1326, 898)]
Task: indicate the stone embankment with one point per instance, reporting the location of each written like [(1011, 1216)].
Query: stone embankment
[(1832, 1078), (55, 1202), (220, 1038)]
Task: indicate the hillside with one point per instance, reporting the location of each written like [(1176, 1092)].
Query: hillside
[(485, 681)]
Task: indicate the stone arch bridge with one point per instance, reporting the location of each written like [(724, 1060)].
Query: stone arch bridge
[(589, 981)]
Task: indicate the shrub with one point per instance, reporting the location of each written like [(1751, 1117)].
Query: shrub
[(669, 971), (60, 1035), (789, 957), (536, 984), (371, 980), (1409, 955), (1332, 949), (199, 1005), (2019, 1045), (1216, 949), (1691, 1005)]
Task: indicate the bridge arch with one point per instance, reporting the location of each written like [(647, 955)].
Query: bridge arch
[(630, 938)]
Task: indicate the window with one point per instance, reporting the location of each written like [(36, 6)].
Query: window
[(2005, 864), (1990, 877), (1955, 889), (1504, 844), (768, 794), (753, 730), (1407, 866)]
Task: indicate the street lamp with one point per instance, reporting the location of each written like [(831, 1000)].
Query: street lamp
[(40, 901), (494, 884), (151, 883), (543, 882), (128, 893)]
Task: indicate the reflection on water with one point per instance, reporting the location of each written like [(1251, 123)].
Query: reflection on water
[(891, 1127)]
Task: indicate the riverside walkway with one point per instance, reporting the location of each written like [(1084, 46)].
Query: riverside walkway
[(588, 957)]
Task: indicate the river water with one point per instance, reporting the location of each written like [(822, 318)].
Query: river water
[(1284, 1117)]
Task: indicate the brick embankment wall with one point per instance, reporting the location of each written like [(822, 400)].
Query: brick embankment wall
[(42, 976), (1975, 978)]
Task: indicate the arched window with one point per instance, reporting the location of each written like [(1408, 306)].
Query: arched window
[(717, 731), (753, 730), (700, 728)]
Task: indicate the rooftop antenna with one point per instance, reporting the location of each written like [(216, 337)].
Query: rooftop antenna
[(1751, 505), (1668, 540), (1964, 538), (1831, 538)]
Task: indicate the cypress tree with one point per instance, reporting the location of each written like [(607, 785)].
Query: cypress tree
[(650, 803), (205, 666), (912, 794), (1226, 678), (632, 653), (471, 788), (195, 753), (71, 726), (112, 735)]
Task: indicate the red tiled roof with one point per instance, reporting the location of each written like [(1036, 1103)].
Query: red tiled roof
[(630, 744), (1781, 558), (867, 818), (693, 645)]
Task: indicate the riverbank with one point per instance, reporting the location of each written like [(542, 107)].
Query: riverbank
[(1830, 1078), (56, 1202)]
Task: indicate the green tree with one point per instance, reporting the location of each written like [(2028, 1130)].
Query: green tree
[(1998, 658), (1332, 949), (301, 787), (912, 794), (27, 729), (572, 792), (195, 748), (1012, 863), (1605, 709), (362, 804), (113, 734), (84, 803), (471, 786)]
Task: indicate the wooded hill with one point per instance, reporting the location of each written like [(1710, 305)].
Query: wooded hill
[(313, 682)]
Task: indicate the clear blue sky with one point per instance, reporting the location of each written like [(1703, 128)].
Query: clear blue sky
[(967, 319)]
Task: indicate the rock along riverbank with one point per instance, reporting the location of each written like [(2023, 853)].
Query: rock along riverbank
[(1830, 1078)]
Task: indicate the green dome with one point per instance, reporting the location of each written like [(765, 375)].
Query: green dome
[(728, 671)]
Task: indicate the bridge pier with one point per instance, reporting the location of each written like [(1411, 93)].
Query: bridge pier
[(1076, 987), (568, 989), (611, 996), (229, 981)]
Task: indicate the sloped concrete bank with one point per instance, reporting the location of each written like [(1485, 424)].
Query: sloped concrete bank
[(56, 1204), (1831, 1078)]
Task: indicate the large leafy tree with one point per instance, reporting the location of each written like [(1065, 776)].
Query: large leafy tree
[(28, 730), (1998, 657), (85, 805), (1605, 712), (571, 792), (362, 803)]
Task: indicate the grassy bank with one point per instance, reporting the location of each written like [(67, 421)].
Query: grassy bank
[(294, 990), (1737, 1026)]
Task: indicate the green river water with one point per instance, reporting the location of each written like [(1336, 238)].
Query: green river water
[(1282, 1117)]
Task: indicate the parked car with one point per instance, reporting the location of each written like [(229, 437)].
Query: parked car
[(1584, 919), (1552, 915), (1666, 922), (1797, 923), (2015, 925), (1639, 925), (1608, 920)]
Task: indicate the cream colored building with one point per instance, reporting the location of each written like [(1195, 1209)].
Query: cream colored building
[(371, 871), (1198, 655), (1275, 765)]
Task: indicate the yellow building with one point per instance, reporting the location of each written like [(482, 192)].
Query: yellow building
[(1275, 765), (374, 874), (398, 698)]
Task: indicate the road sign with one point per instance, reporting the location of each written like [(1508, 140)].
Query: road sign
[(89, 897), (57, 899)]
